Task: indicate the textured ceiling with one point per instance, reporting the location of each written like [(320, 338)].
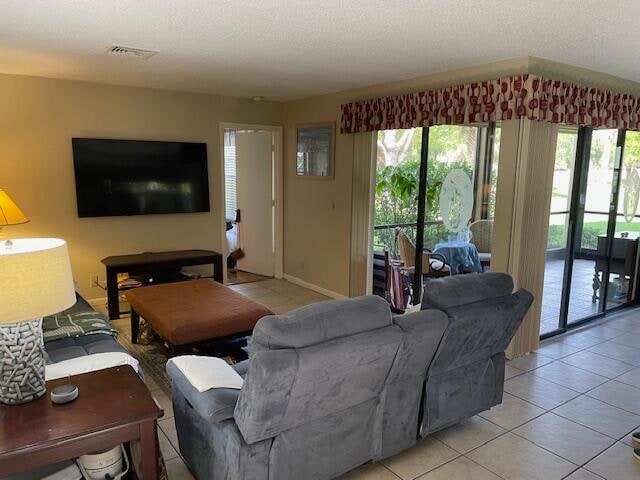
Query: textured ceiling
[(291, 49)]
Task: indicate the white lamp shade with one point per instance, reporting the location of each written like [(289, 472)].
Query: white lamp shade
[(35, 279)]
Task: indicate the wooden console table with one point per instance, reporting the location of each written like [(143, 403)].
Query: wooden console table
[(114, 406), (154, 263)]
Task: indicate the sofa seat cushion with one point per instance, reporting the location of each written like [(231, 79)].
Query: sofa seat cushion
[(67, 348), (195, 311)]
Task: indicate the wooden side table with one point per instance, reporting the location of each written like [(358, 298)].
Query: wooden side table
[(114, 406)]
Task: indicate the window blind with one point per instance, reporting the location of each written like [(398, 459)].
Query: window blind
[(230, 192)]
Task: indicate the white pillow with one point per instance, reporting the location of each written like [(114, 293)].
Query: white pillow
[(205, 373), (89, 363)]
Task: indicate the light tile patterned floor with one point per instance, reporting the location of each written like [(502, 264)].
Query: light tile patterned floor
[(568, 411)]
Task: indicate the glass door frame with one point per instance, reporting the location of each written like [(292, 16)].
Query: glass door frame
[(484, 149), (575, 225), (422, 211), (613, 217), (482, 169)]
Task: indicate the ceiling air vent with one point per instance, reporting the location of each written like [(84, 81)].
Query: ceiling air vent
[(122, 51)]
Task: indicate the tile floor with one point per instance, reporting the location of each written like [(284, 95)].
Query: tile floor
[(568, 411), (279, 295)]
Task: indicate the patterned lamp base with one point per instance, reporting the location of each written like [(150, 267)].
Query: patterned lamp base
[(21, 362)]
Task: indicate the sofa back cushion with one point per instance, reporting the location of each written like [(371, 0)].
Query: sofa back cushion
[(448, 292), (480, 330), (321, 322), (483, 316), (297, 377)]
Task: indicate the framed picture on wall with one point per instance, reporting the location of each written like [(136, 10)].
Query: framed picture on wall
[(315, 150)]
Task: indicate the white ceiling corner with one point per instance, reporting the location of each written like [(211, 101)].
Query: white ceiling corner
[(292, 49)]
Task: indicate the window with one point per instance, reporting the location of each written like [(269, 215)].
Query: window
[(230, 196), (397, 172), (400, 157), (593, 233)]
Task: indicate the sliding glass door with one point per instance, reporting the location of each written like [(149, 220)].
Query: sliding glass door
[(557, 238), (411, 165), (397, 179), (589, 258), (623, 256), (592, 244)]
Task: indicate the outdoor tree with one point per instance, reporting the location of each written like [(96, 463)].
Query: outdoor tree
[(397, 177), (632, 149), (395, 145)]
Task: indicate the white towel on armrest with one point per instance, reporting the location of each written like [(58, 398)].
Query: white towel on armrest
[(205, 373), (89, 363)]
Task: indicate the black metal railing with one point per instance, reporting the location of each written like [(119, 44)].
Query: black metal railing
[(385, 234)]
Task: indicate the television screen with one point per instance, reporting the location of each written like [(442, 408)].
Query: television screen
[(129, 177)]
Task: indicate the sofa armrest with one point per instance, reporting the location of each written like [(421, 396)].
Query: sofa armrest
[(241, 367), (215, 405)]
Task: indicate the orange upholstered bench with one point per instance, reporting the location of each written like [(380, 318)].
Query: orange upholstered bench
[(192, 312)]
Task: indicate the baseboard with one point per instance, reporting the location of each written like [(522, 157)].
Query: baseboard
[(324, 291)]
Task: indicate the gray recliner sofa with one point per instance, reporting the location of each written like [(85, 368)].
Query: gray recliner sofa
[(466, 375), (336, 384), (327, 388)]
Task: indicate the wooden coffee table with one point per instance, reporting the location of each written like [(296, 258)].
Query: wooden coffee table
[(114, 406)]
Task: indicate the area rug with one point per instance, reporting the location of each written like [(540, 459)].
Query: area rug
[(149, 352)]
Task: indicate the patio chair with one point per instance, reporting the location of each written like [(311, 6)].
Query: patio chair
[(433, 264), (481, 231)]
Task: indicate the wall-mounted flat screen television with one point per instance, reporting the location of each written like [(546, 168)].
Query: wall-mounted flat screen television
[(131, 177)]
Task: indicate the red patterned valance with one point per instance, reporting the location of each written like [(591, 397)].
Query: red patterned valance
[(526, 95)]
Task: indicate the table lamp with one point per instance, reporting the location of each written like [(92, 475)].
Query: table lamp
[(35, 280), (10, 214)]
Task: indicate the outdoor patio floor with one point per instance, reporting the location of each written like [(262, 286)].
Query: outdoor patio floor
[(580, 302)]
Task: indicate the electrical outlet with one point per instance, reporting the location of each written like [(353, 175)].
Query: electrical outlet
[(93, 280)]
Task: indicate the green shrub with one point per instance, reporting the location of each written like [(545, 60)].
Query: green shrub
[(590, 231)]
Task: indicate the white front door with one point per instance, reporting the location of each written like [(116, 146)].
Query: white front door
[(254, 167)]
